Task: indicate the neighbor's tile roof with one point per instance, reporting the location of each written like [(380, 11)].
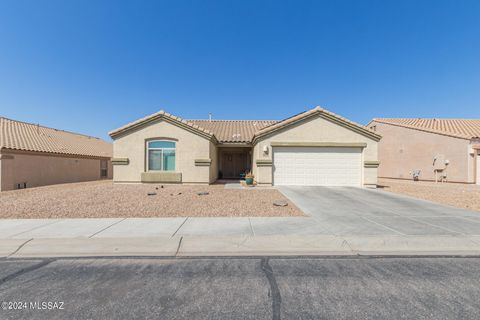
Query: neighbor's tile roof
[(460, 128), (17, 135), (233, 131)]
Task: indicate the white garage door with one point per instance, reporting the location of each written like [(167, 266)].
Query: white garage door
[(317, 166)]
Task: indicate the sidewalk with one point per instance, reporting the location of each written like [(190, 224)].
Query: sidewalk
[(178, 237), (156, 227)]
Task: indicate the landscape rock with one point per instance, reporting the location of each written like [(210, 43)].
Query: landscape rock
[(280, 203)]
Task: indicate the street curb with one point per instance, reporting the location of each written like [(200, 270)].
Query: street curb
[(192, 246), (77, 247)]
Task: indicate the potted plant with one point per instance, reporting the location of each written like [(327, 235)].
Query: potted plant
[(249, 178)]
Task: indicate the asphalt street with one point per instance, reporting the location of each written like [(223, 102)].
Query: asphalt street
[(240, 288)]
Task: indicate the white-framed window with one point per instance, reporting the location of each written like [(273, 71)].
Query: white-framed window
[(161, 155)]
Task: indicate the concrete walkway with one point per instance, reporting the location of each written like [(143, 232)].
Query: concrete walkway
[(339, 221), (155, 227)]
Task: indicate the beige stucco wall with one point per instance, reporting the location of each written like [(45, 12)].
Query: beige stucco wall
[(189, 146), (1, 185), (315, 130), (214, 162), (477, 166), (403, 150), (36, 169)]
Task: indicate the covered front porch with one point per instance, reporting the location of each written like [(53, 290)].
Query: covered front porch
[(234, 161)]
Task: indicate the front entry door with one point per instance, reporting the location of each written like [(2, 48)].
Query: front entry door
[(234, 163)]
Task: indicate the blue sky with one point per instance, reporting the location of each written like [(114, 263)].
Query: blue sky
[(92, 66)]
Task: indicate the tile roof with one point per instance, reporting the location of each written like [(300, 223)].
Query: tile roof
[(233, 131), (240, 131), (17, 135), (459, 128)]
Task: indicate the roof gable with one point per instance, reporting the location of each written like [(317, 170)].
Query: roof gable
[(162, 115), (458, 128), (321, 112)]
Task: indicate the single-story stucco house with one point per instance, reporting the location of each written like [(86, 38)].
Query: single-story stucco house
[(32, 155), (316, 147), (433, 149)]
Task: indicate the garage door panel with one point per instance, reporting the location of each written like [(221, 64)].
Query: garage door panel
[(314, 166)]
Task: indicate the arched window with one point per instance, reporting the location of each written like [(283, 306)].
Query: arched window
[(161, 155)]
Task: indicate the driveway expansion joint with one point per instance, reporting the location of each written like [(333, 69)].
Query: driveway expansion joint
[(437, 226), (35, 228), (98, 232), (179, 227), (383, 226)]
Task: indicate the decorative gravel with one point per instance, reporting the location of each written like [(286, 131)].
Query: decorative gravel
[(465, 196), (101, 199)]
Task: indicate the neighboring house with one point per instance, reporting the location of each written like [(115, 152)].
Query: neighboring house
[(316, 147), (439, 149), (32, 155)]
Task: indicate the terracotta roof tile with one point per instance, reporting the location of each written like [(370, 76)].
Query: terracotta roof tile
[(239, 131), (17, 135), (460, 128), (233, 131)]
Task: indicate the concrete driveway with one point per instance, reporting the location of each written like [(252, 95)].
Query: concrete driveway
[(355, 211)]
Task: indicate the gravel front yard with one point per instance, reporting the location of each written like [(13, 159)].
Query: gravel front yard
[(465, 196), (101, 199)]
